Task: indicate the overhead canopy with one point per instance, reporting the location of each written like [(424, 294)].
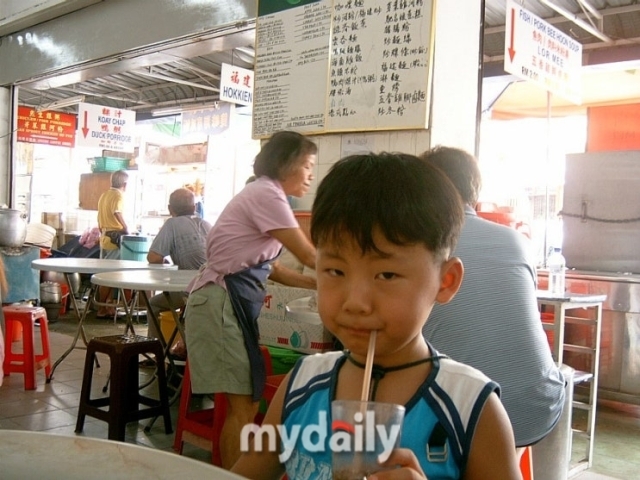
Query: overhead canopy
[(186, 71)]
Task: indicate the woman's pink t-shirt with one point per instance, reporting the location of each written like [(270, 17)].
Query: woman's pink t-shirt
[(239, 238)]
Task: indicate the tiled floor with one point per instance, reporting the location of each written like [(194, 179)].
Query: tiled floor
[(53, 408)]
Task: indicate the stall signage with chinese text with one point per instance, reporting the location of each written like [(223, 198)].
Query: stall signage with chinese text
[(209, 121), (537, 52), (46, 127), (236, 85), (105, 127)]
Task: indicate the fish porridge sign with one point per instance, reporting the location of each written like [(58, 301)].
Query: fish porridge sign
[(540, 53), (105, 127)]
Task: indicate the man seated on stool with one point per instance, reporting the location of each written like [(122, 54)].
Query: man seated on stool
[(493, 323), (183, 237)]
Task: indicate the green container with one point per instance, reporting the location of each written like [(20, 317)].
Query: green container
[(134, 247), (109, 164), (283, 360)]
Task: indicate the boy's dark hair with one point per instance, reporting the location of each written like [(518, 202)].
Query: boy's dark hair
[(462, 169), (281, 153), (409, 200)]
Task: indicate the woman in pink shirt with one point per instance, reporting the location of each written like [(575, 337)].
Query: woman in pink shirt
[(226, 298)]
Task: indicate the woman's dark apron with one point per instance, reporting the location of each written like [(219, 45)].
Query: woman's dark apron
[(247, 289)]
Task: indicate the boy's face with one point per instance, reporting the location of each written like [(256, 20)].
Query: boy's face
[(391, 293)]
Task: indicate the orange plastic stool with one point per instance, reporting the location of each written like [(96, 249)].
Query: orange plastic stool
[(28, 361), (526, 465), (202, 428)]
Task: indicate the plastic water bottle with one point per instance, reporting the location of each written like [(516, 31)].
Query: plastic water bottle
[(556, 264)]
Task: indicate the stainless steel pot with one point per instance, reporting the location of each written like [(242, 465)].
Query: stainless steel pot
[(50, 292), (13, 228)]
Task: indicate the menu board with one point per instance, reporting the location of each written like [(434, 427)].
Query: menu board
[(291, 68), (342, 65)]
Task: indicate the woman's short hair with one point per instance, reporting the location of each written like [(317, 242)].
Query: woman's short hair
[(405, 198), (119, 179), (282, 153)]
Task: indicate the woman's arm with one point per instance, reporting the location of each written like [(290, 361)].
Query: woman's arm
[(291, 278), (297, 243), (493, 448), (265, 465)]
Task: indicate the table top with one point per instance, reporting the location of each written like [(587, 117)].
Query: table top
[(44, 455), (93, 265), (165, 280), (570, 297)]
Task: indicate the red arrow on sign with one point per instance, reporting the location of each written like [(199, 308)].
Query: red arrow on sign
[(512, 52), (85, 130)]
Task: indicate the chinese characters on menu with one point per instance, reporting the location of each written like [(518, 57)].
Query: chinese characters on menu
[(343, 65)]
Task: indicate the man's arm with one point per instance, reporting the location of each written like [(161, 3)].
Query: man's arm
[(153, 257)]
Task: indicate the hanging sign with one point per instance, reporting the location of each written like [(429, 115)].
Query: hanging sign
[(236, 84), (46, 127), (105, 127), (209, 121), (538, 52)]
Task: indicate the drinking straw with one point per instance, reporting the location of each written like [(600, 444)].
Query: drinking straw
[(368, 367)]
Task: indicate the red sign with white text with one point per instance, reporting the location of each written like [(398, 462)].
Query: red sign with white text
[(46, 127)]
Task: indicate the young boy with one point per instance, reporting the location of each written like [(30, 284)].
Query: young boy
[(384, 227)]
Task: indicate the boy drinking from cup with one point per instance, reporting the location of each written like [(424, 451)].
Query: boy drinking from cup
[(384, 226)]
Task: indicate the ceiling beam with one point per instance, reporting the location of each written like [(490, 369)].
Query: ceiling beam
[(186, 63), (587, 27), (177, 80)]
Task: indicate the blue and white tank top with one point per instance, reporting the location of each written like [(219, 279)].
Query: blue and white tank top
[(439, 423)]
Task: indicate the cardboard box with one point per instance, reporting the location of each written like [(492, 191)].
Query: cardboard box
[(279, 331)]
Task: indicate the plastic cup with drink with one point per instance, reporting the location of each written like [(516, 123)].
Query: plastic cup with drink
[(367, 431)]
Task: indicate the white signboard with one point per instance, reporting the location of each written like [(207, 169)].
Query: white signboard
[(236, 85), (105, 127), (538, 52)]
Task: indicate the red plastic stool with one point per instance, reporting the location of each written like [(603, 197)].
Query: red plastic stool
[(202, 428), (526, 464), (28, 361)]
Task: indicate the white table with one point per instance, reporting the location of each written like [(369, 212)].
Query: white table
[(142, 281), (71, 265), (45, 455)]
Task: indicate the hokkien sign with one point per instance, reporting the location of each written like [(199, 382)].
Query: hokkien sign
[(236, 85), (540, 53), (105, 127)]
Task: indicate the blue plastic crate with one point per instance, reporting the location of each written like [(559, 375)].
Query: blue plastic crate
[(108, 164)]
